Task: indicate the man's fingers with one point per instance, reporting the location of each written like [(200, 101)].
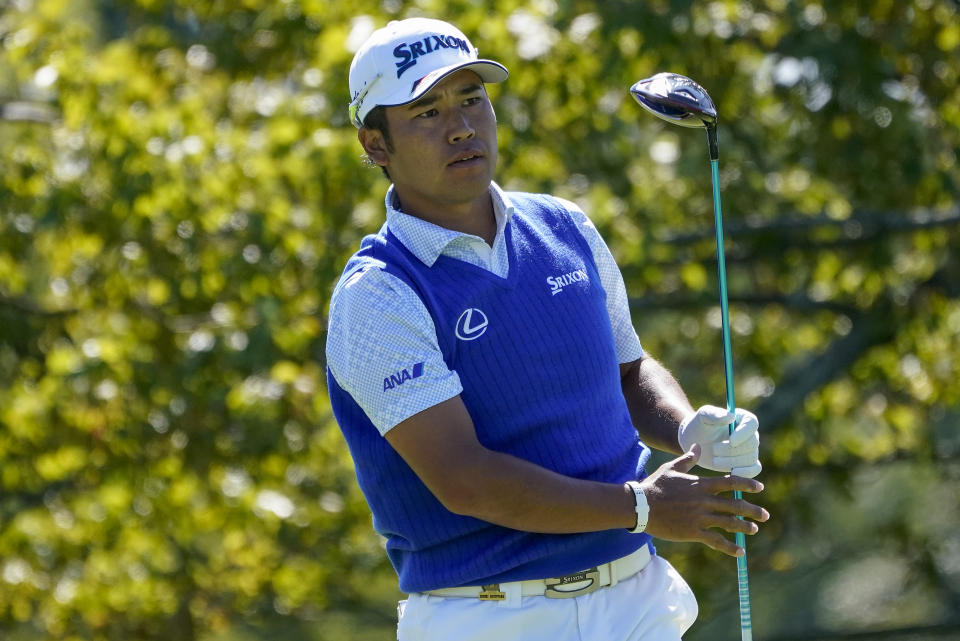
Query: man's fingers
[(718, 484), (717, 541), (739, 507), (729, 448), (747, 472), (743, 462), (733, 524), (692, 508), (686, 462), (715, 416), (746, 428)]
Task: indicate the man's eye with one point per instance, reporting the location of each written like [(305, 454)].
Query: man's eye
[(427, 114), (474, 100)]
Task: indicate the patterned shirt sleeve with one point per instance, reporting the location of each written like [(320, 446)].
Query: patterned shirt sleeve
[(382, 349), (624, 335)]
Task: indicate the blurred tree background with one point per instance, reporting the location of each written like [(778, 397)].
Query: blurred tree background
[(180, 187)]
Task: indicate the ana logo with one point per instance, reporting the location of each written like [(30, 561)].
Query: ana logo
[(557, 283), (472, 324), (402, 377)]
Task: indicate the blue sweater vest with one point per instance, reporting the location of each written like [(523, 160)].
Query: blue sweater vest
[(540, 381)]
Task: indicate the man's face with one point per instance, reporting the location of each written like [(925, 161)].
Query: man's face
[(444, 145)]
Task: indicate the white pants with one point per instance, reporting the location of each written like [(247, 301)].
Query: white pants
[(655, 604)]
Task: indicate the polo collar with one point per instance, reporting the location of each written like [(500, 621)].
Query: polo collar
[(426, 240)]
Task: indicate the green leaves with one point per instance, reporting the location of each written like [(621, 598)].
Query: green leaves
[(179, 190)]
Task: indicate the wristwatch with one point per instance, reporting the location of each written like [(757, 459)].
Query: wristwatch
[(643, 509)]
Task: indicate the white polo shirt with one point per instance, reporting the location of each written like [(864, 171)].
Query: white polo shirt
[(378, 322)]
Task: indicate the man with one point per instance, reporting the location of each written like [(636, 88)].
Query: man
[(485, 372)]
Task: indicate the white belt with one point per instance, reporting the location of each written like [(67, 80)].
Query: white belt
[(564, 587)]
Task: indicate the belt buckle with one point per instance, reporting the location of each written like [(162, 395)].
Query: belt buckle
[(592, 575), (491, 593)]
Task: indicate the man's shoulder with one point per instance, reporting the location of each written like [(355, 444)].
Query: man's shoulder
[(540, 209), (377, 252), (365, 277), (525, 199)]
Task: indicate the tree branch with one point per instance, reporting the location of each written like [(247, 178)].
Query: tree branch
[(792, 301), (876, 326), (880, 325), (818, 370), (22, 111), (29, 307), (859, 228)]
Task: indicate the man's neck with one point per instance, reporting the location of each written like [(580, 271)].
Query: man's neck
[(476, 217)]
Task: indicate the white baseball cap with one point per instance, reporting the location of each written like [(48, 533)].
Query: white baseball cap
[(405, 59)]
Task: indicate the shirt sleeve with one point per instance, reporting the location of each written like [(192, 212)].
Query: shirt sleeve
[(382, 348), (618, 307)]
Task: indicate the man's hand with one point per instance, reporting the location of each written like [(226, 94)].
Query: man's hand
[(684, 507), (736, 453)]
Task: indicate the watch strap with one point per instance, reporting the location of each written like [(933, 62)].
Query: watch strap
[(642, 507)]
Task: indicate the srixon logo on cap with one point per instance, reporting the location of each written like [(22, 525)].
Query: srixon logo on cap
[(407, 53)]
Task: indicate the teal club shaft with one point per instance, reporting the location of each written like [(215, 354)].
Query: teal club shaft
[(746, 626)]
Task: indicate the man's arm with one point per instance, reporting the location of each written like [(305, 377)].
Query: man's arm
[(656, 402), (441, 446), (664, 419)]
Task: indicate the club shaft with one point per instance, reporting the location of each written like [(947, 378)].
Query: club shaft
[(746, 625)]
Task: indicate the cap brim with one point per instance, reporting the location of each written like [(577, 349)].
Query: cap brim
[(488, 70)]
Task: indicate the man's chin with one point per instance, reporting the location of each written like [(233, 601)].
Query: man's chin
[(468, 191), (453, 191), (471, 178)]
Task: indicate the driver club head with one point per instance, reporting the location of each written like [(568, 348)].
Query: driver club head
[(676, 99)]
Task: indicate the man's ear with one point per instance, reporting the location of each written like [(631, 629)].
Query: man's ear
[(373, 144)]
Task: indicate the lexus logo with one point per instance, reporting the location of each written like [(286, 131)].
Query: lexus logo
[(472, 324)]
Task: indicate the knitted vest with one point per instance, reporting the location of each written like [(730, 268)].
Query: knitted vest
[(536, 358)]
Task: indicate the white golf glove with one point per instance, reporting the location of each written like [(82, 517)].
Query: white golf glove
[(736, 453)]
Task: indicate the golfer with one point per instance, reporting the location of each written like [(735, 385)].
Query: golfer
[(495, 397)]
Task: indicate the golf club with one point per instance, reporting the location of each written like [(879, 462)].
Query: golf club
[(681, 101)]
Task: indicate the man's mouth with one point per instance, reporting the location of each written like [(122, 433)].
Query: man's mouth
[(467, 157)]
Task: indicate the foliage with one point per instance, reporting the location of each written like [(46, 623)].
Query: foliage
[(179, 188)]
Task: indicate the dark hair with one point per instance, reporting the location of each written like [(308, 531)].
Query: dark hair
[(377, 119)]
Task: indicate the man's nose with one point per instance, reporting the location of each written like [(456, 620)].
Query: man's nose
[(460, 128)]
